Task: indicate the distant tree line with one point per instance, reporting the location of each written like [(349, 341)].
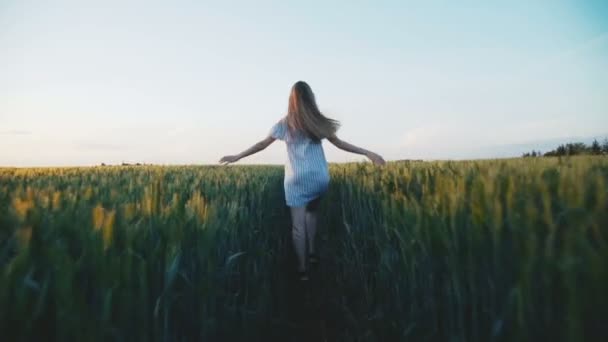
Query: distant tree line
[(573, 149), (127, 164)]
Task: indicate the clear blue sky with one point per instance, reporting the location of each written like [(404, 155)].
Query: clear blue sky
[(85, 82)]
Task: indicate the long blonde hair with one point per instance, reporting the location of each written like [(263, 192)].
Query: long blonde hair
[(304, 115)]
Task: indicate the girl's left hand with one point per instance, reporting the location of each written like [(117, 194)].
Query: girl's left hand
[(376, 158), (228, 159)]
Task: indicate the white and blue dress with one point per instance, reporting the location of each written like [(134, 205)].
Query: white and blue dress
[(306, 170)]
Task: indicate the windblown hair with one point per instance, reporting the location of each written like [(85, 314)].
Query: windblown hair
[(304, 115)]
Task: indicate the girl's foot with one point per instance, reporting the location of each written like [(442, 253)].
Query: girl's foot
[(303, 275), (313, 259)]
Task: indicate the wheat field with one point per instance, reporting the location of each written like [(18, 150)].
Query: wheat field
[(489, 250)]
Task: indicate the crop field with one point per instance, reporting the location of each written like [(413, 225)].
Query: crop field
[(492, 250)]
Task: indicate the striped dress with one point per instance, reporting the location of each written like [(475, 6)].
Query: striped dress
[(306, 171)]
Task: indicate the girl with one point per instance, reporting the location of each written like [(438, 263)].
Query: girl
[(306, 171)]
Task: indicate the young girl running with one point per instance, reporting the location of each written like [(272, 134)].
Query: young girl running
[(306, 171)]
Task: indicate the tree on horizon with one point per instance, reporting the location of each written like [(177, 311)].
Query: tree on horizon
[(573, 149)]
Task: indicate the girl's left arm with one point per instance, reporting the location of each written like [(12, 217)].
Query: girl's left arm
[(343, 145), (257, 147)]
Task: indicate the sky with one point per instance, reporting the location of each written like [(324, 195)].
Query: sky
[(187, 82)]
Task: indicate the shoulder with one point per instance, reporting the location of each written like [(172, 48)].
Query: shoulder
[(282, 122), (279, 129)]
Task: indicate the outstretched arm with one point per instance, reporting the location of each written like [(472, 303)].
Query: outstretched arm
[(343, 145), (257, 147)]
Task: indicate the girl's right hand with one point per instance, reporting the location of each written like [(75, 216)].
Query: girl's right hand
[(375, 158), (228, 159)]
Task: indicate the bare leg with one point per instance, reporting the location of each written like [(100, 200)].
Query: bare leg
[(311, 230), (298, 233)]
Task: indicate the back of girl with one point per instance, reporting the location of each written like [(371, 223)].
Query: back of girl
[(307, 177)]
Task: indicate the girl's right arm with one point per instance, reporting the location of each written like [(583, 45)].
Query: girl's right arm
[(343, 145), (257, 147)]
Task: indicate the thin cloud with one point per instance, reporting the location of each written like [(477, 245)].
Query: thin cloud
[(554, 63), (567, 55), (589, 45), (15, 132), (436, 134), (100, 146), (451, 136)]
